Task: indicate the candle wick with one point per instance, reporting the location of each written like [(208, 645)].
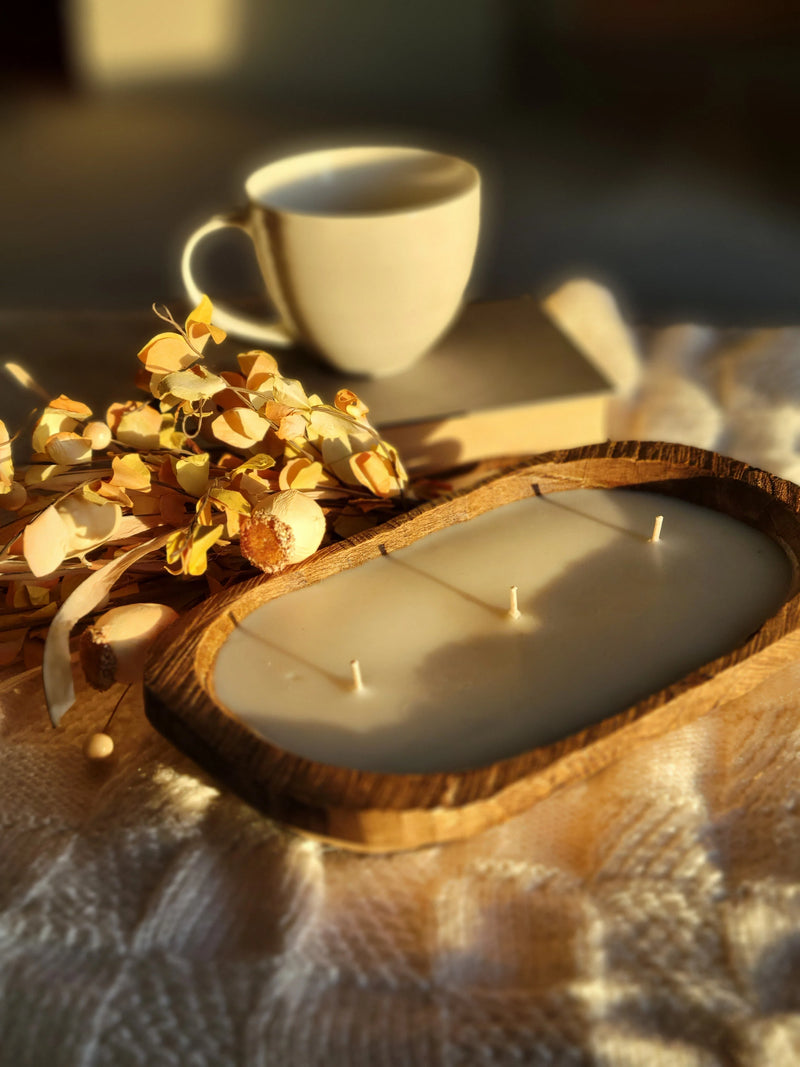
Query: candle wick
[(358, 681), (513, 602), (656, 534)]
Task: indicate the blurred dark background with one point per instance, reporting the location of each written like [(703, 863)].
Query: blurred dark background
[(651, 144)]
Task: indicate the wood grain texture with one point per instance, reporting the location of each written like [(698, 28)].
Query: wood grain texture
[(379, 812)]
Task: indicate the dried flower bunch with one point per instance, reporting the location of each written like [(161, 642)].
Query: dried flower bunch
[(212, 475)]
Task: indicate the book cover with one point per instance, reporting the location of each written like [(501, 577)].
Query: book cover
[(503, 381)]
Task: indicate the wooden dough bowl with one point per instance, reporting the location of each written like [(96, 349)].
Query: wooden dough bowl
[(374, 811)]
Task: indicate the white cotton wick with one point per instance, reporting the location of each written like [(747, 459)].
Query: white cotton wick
[(358, 681), (513, 602), (656, 534)]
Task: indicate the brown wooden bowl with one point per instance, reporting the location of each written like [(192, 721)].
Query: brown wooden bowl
[(375, 811)]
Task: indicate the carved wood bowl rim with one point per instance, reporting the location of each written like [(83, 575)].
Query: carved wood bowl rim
[(376, 811)]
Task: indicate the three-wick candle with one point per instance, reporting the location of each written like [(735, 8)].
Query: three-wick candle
[(493, 636)]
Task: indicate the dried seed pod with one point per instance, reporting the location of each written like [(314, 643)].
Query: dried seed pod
[(98, 746), (113, 649), (283, 528)]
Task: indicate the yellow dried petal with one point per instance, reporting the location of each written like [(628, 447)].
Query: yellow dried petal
[(303, 473), (191, 473), (229, 398), (326, 423), (140, 427), (204, 511), (166, 352), (195, 385), (68, 448), (259, 462), (41, 475), (98, 492), (50, 422), (38, 595), (291, 426), (199, 326), (87, 524), (233, 506), (252, 487), (175, 545), (376, 473), (347, 401), (391, 454), (230, 500), (130, 472), (256, 364), (115, 411), (91, 492), (202, 313), (44, 542), (6, 461), (187, 549), (75, 408), (289, 422), (289, 391), (274, 411), (239, 427), (233, 524), (260, 382), (169, 436)]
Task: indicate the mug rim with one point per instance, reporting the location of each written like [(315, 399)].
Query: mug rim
[(470, 177)]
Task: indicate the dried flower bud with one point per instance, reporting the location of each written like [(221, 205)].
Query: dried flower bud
[(113, 649), (99, 433), (283, 528)]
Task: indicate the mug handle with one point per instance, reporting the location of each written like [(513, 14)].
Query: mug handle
[(243, 326)]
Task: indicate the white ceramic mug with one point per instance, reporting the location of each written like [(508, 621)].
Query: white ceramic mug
[(366, 252)]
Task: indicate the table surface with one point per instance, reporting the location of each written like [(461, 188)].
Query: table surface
[(646, 915)]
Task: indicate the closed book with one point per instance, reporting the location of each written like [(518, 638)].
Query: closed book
[(504, 381)]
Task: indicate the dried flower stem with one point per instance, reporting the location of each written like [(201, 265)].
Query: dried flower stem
[(116, 706)]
